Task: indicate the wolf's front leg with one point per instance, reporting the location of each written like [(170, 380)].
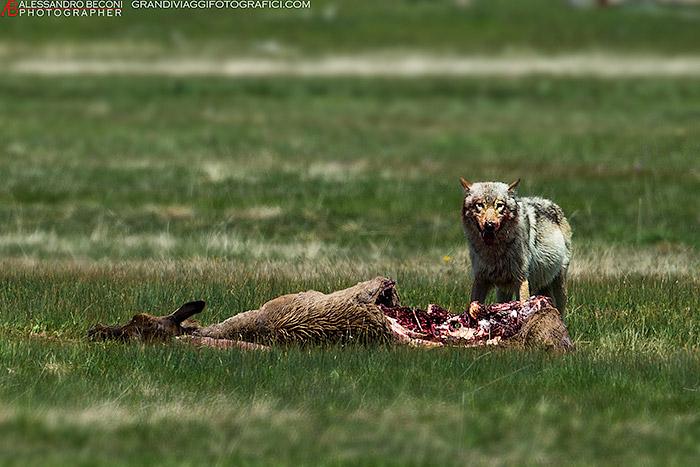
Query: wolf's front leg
[(524, 294), (504, 294), (480, 289)]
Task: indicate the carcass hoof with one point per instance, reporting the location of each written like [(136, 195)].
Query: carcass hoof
[(545, 330)]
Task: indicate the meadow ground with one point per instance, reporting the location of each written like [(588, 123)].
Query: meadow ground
[(351, 26), (139, 194), (131, 193)]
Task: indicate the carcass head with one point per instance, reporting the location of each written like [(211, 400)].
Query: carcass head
[(146, 327)]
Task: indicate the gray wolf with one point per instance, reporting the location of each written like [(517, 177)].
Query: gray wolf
[(516, 244)]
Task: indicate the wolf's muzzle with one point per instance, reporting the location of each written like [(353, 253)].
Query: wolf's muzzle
[(488, 232)]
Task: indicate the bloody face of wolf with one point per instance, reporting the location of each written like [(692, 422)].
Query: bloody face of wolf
[(488, 208)]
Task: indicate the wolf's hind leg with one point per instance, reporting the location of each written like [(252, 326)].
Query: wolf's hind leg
[(546, 291), (558, 287)]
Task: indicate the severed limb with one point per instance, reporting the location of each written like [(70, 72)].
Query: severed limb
[(215, 343)]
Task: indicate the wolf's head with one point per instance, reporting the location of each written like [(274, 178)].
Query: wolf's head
[(488, 208)]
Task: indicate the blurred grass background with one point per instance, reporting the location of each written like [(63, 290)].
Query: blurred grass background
[(125, 193), (356, 26), (162, 167)]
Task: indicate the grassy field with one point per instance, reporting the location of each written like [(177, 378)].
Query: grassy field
[(357, 26), (140, 194), (123, 194)]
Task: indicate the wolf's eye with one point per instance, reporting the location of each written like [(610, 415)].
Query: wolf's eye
[(479, 206), (500, 206)]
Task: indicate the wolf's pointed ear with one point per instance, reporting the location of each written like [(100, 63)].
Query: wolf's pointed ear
[(513, 185), (187, 310), (466, 184)]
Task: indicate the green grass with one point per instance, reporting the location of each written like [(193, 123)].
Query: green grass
[(137, 168), (351, 26), (628, 394), (124, 194)]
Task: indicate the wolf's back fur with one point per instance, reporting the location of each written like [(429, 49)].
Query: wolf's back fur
[(531, 243)]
